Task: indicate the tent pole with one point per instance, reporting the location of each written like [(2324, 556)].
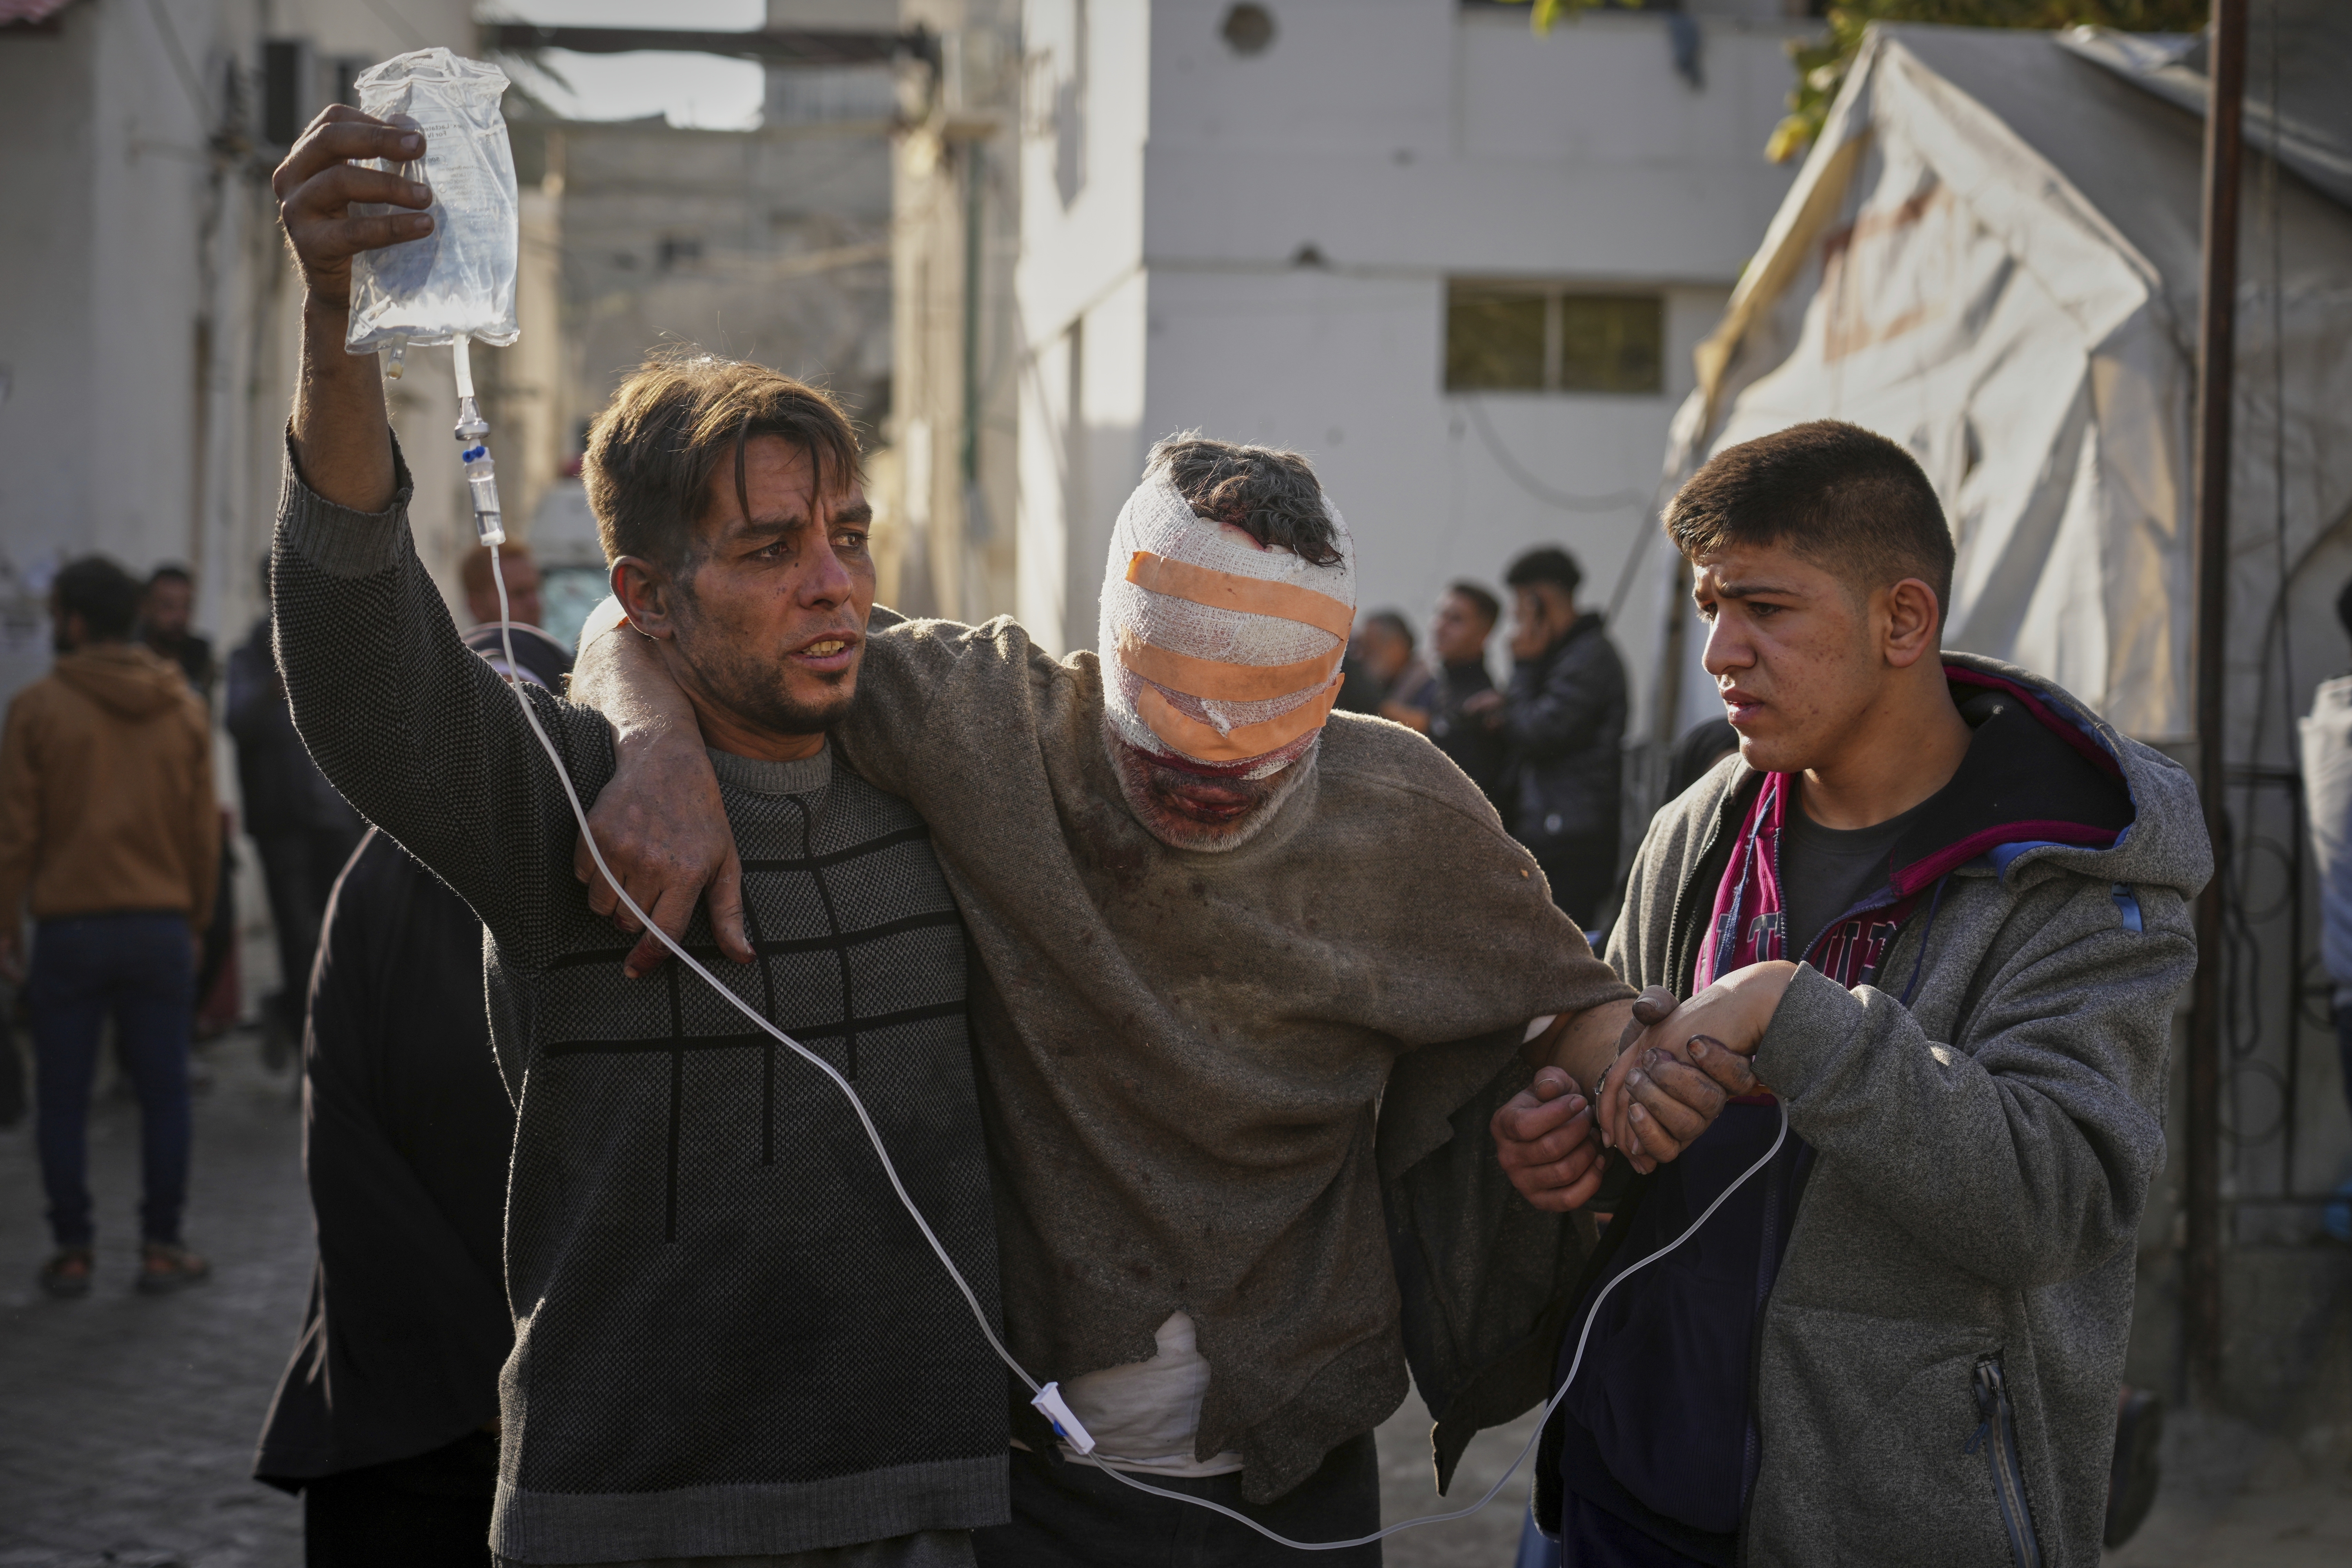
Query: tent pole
[(2216, 351)]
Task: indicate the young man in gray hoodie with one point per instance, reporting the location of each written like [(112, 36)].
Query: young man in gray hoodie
[(1950, 906)]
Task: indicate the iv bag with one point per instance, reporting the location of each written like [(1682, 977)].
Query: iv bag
[(458, 280)]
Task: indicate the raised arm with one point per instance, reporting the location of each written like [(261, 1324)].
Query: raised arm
[(414, 730)]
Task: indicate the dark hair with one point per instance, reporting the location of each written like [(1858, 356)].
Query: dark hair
[(1546, 563), (1394, 622), (652, 453), (1851, 501), (1268, 493), (170, 571), (1489, 608), (103, 594)]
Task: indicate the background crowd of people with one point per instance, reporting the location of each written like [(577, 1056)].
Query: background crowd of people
[(1546, 745)]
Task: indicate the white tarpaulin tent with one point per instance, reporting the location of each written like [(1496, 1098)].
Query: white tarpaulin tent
[(1992, 255)]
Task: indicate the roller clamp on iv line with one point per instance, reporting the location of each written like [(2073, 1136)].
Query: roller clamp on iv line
[(473, 435), (472, 432)]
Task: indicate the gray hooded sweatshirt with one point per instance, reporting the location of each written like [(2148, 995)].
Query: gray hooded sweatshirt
[(1934, 1373)]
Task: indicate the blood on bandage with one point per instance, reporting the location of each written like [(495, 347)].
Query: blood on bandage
[(1223, 680), (1231, 591)]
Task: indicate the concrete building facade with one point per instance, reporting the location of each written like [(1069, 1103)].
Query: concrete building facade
[(1460, 266), (147, 313)]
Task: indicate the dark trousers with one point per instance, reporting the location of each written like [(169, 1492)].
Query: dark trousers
[(137, 968), (1068, 1515), (1582, 873), (431, 1511), (299, 865), (220, 932)]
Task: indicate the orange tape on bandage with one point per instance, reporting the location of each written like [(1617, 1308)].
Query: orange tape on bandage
[(1231, 591), (1201, 742), (1216, 679)]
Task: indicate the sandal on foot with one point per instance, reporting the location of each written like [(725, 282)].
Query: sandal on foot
[(165, 1267), (66, 1273)]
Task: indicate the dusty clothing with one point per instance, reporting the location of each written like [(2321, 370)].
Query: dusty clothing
[(106, 791), (1182, 1054), (729, 1338), (1954, 1292)]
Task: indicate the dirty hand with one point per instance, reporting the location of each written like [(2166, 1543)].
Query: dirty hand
[(1544, 1140), (317, 183), (662, 830), (1670, 1083)]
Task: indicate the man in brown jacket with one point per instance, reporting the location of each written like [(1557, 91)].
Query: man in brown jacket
[(107, 828)]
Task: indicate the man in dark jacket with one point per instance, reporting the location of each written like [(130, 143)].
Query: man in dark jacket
[(166, 609), (304, 830), (386, 1419), (1564, 719), (1463, 702)]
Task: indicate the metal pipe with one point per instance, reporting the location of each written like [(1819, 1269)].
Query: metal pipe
[(2216, 351)]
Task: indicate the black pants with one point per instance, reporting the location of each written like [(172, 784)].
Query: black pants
[(431, 1511), (1068, 1515)]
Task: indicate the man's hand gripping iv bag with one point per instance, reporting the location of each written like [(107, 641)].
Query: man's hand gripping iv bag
[(460, 281)]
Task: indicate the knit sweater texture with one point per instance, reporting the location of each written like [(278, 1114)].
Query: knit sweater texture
[(729, 1339), (1197, 1067)]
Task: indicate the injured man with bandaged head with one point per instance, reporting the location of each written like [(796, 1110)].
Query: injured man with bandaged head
[(1255, 976)]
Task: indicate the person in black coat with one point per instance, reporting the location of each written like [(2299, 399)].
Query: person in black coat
[(385, 1420), (304, 830), (1463, 715), (1563, 722)]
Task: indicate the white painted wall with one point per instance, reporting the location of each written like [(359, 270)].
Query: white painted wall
[(128, 223), (1405, 141), (1079, 288)]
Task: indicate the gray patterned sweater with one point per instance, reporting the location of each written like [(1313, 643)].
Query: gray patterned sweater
[(729, 1340)]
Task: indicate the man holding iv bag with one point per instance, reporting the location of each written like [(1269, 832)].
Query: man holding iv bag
[(732, 1342)]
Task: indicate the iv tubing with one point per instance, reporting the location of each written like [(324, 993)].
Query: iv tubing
[(874, 1136)]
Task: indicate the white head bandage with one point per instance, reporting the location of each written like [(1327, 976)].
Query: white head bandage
[(1214, 647)]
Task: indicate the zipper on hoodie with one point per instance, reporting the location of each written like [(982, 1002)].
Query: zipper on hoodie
[(1996, 1433), (1678, 945)]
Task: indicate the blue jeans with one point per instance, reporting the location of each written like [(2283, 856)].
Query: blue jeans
[(138, 967)]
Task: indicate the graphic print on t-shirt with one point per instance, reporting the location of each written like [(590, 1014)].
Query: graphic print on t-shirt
[(1760, 889)]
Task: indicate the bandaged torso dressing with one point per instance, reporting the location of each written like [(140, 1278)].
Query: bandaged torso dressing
[(1143, 1416)]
